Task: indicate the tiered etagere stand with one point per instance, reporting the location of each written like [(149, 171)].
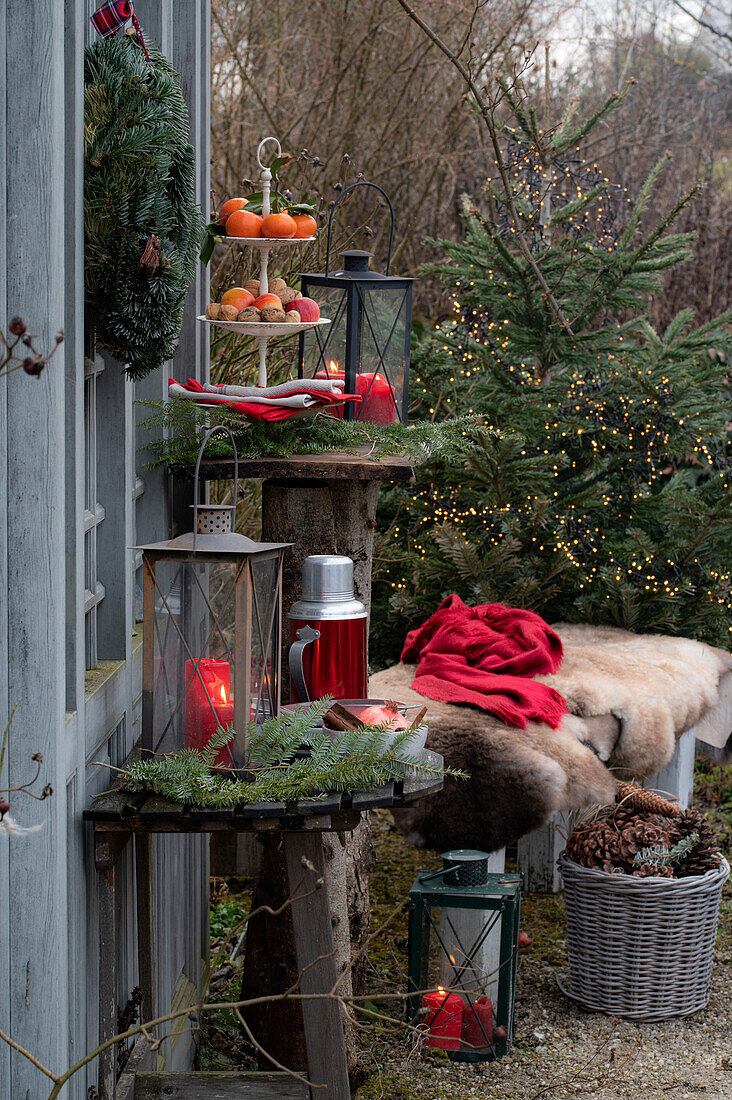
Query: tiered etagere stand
[(263, 330)]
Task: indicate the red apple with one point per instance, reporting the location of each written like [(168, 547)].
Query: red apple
[(306, 307)]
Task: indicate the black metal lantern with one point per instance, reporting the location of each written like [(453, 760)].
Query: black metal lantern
[(367, 341)]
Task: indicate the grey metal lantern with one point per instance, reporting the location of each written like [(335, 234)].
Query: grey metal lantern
[(367, 342), (212, 607)]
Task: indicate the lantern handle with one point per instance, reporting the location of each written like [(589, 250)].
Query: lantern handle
[(361, 183), (206, 436)]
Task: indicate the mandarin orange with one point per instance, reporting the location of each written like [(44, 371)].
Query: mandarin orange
[(229, 207), (306, 226), (279, 225), (244, 223)]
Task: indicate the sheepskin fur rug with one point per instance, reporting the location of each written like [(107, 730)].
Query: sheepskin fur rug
[(654, 687), (629, 697)]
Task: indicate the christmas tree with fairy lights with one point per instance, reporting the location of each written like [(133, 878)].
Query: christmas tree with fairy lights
[(599, 490)]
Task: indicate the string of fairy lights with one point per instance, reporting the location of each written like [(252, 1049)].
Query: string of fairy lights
[(615, 422)]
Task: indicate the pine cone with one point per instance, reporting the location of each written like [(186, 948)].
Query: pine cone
[(650, 870), (640, 834), (705, 854), (643, 801)]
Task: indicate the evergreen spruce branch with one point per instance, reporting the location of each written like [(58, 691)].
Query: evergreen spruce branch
[(660, 856), (626, 268), (570, 209), (567, 118), (183, 421), (643, 198), (564, 138), (668, 219), (525, 118), (354, 760)]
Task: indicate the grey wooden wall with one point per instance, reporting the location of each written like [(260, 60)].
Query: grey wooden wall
[(48, 950)]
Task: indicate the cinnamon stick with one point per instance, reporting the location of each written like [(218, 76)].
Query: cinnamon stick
[(339, 718), (418, 718)]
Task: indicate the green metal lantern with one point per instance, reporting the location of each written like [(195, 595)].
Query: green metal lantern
[(475, 916)]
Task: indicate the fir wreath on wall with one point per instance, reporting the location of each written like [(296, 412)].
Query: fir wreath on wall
[(142, 228)]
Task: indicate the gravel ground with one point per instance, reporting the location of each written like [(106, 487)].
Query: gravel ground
[(559, 1050)]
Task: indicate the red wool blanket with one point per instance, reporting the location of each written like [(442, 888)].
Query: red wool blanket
[(486, 656)]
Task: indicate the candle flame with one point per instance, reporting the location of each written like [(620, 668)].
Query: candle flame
[(333, 365), (223, 694)]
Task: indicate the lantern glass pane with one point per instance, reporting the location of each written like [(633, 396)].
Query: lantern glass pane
[(194, 638), (265, 637), (383, 317), (325, 347)]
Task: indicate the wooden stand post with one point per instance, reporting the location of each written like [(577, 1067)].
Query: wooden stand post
[(317, 964)]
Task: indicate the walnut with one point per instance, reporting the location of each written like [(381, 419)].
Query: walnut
[(213, 311), (293, 317), (228, 313), (253, 287), (251, 313), (273, 315), (276, 286), (288, 295)]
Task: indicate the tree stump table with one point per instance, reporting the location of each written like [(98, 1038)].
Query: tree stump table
[(321, 504), (119, 815)]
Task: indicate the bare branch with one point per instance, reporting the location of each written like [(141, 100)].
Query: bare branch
[(486, 108), (698, 19)]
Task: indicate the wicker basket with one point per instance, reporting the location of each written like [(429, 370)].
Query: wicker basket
[(640, 947)]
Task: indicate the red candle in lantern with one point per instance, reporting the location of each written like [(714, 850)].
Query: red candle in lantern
[(378, 401), (208, 704), (477, 1027), (443, 1020)]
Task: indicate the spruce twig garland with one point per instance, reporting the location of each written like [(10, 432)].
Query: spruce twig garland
[(183, 421), (355, 760), (142, 227)]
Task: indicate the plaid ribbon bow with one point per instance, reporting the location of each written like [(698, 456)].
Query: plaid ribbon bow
[(112, 15)]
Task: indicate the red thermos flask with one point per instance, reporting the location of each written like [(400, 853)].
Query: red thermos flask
[(327, 633)]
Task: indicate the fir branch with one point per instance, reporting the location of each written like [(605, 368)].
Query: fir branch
[(353, 760), (182, 422), (660, 856), (565, 137)]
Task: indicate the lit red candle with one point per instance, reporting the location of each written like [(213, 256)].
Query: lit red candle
[(208, 704), (443, 1020), (378, 401), (477, 1026)]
